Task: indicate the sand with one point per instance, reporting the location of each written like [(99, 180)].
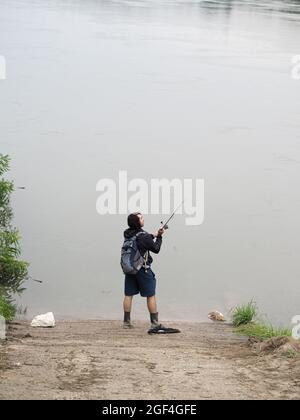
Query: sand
[(100, 360)]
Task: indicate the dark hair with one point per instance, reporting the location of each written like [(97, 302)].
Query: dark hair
[(133, 221)]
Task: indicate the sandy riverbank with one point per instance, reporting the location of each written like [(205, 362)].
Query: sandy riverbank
[(100, 360)]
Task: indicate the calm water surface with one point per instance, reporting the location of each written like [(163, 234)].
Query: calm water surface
[(187, 89)]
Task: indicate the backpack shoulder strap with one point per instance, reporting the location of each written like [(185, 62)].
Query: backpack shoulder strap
[(146, 256)]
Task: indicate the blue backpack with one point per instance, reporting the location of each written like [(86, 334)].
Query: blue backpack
[(131, 258)]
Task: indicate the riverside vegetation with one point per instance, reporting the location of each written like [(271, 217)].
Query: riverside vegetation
[(13, 271)]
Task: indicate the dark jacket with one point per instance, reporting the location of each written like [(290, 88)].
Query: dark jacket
[(145, 242)]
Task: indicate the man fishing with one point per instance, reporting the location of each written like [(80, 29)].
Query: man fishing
[(143, 281)]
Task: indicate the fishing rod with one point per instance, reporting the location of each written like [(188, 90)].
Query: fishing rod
[(165, 225)]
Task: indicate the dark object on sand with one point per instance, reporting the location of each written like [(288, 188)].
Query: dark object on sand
[(160, 329)]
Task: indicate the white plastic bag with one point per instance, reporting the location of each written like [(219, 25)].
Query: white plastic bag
[(43, 320)]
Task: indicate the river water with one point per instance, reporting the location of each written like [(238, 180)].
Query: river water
[(160, 89)]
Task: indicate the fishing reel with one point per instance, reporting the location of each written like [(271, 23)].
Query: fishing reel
[(163, 226)]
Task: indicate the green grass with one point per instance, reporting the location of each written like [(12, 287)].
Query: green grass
[(244, 319), (7, 309), (262, 331), (244, 314)]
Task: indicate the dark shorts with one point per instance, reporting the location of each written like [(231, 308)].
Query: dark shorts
[(144, 282)]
